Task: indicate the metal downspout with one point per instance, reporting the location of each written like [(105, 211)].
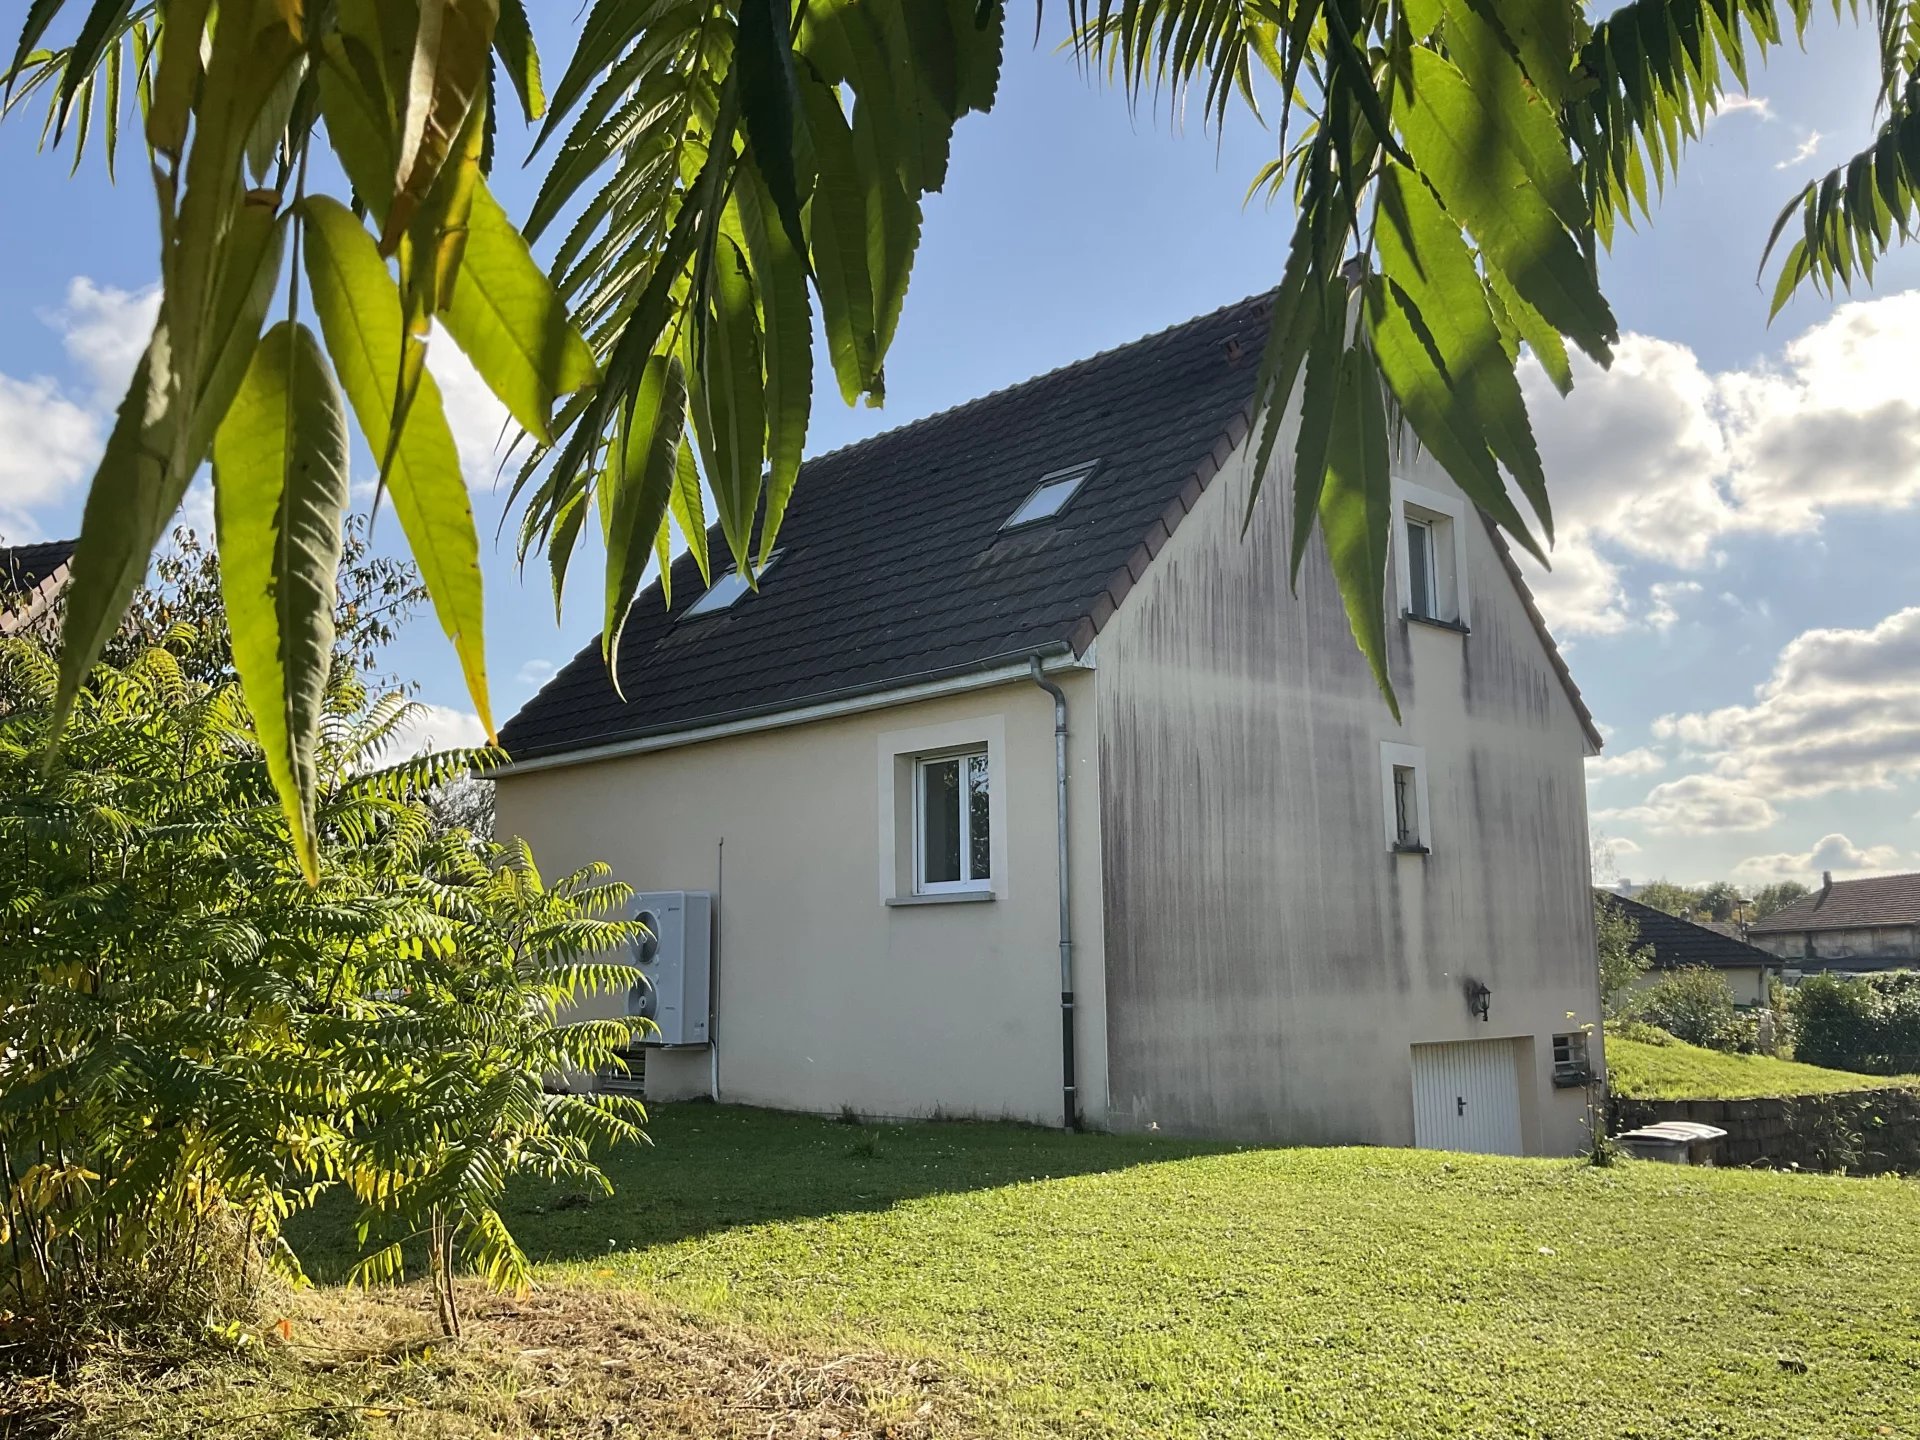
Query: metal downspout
[(1069, 1090)]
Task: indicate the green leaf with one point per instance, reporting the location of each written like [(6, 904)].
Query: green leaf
[(280, 496), (452, 51), (513, 44), (837, 232), (1531, 326), (637, 490), (175, 76), (566, 534), (133, 494), (40, 15), (1421, 251), (359, 309), (770, 106), (730, 401), (1356, 507), (507, 319), (787, 330), (1320, 392), (97, 32), (690, 511), (1484, 185)]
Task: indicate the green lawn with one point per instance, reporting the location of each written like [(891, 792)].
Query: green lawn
[(1677, 1071), (1095, 1286)]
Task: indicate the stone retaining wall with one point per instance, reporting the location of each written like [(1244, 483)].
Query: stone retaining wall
[(1864, 1132)]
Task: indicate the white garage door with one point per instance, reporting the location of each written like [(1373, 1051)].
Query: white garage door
[(1466, 1096)]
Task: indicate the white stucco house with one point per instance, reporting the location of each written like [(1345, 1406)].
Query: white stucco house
[(1024, 786)]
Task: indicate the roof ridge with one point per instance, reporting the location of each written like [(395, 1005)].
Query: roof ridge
[(965, 405)]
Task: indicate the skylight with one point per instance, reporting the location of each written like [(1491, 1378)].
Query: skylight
[(1051, 495), (727, 589)]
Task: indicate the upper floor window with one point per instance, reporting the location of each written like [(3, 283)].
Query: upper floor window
[(727, 589), (953, 829), (1051, 495), (1430, 553)]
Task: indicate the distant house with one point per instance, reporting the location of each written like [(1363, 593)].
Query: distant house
[(1680, 944), (1849, 926), (31, 578), (1025, 785)]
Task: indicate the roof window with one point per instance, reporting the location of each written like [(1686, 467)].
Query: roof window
[(1051, 495), (727, 589)]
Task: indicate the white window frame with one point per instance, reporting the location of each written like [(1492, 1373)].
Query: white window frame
[(967, 880), (1445, 517), (1395, 756)]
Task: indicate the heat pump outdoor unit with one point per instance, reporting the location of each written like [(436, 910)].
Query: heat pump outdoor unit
[(676, 957)]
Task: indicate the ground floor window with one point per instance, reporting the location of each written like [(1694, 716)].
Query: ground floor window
[(1570, 1064), (953, 834)]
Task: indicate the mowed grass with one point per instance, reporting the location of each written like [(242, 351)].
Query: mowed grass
[(1100, 1286), (1674, 1070)]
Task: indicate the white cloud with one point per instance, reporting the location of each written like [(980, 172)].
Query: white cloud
[(1697, 805), (105, 329), (1643, 761), (480, 423), (1733, 103), (1830, 852), (536, 673), (436, 727), (1808, 148), (47, 445), (1665, 595), (1658, 459)]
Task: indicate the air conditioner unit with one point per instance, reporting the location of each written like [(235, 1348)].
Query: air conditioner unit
[(676, 958)]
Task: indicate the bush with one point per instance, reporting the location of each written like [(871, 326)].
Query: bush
[(1695, 1004), (200, 1044), (1869, 1024)]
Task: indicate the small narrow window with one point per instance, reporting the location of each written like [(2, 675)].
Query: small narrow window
[(1422, 601), (1403, 792), (1406, 808), (1051, 495), (1570, 1064), (727, 589), (953, 835)]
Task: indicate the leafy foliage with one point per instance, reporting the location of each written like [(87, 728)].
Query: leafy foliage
[(1771, 899), (201, 1042), (1622, 958), (724, 172), (1866, 1023), (1695, 1004)]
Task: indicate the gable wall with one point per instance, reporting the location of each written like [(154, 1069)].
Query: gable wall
[(1269, 959)]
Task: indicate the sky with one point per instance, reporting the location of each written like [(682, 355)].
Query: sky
[(1737, 503)]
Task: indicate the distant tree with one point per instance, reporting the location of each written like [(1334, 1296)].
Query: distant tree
[(1623, 959), (1673, 899), (1720, 901), (1771, 899)]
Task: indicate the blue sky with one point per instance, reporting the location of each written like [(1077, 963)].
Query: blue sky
[(1736, 502)]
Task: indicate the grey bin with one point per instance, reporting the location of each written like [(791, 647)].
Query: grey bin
[(1677, 1142)]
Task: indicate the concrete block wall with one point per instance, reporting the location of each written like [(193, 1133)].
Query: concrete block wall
[(1862, 1132)]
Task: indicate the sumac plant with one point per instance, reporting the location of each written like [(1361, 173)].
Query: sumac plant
[(196, 1041)]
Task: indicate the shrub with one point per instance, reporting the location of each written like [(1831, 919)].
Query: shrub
[(200, 1044), (1695, 1004), (1869, 1024), (1622, 958)]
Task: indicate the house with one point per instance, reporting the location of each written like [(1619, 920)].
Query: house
[(1684, 944), (1846, 926), (31, 579), (1024, 785)]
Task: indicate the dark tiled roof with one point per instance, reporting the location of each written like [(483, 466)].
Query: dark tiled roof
[(23, 567), (1848, 904), (1677, 943), (893, 566)]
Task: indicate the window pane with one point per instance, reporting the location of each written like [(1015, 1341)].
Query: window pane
[(979, 837), (940, 821), (1405, 826), (1420, 568)]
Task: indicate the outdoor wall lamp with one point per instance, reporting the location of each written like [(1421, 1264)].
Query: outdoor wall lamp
[(1479, 999)]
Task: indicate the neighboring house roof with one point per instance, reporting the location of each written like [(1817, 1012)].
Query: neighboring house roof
[(1849, 905), (30, 576), (1678, 943), (894, 567)]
